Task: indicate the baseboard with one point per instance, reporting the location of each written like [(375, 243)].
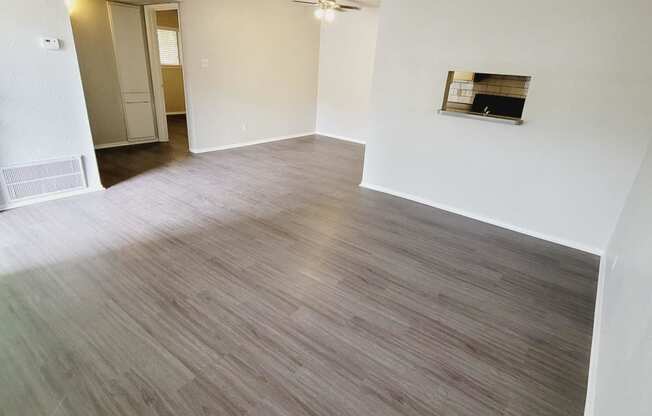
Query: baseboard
[(589, 408), (52, 197), (251, 143), (123, 143), (343, 138), (552, 239), (175, 113)]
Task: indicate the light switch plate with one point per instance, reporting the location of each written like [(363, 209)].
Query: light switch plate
[(52, 44)]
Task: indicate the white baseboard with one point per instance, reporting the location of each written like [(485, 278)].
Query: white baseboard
[(567, 243), (589, 408), (175, 113), (52, 197), (123, 143), (346, 139), (251, 143)]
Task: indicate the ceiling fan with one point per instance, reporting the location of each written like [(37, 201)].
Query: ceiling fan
[(325, 9)]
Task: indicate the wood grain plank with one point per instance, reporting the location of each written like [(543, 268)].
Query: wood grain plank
[(264, 281)]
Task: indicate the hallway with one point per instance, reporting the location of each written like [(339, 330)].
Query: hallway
[(123, 163)]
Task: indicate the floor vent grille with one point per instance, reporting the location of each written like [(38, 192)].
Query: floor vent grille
[(41, 179)]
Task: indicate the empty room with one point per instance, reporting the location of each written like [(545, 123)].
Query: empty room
[(325, 207)]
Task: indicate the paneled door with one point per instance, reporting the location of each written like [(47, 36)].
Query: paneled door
[(128, 31)]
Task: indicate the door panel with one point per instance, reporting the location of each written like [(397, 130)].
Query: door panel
[(140, 123), (127, 27), (136, 97)]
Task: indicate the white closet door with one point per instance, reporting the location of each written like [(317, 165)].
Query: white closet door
[(127, 27)]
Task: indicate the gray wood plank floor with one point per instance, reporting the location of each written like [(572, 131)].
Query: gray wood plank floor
[(263, 281)]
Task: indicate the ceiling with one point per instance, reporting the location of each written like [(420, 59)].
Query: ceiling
[(142, 2), (361, 3)]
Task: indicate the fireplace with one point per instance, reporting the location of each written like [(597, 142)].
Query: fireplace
[(494, 96)]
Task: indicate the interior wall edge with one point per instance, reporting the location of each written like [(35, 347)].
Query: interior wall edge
[(639, 170), (589, 409), (620, 365)]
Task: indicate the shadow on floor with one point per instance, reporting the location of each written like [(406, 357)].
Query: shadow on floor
[(264, 281), (123, 163)]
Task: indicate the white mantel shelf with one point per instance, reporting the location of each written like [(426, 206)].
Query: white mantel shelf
[(503, 120)]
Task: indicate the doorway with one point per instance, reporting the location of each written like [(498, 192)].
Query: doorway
[(131, 63), (166, 63)]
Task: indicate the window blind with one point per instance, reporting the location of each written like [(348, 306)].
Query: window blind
[(168, 44)]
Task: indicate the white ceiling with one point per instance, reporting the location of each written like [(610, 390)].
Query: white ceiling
[(361, 3), (141, 2)]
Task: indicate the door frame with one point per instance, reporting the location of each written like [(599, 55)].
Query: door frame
[(155, 68)]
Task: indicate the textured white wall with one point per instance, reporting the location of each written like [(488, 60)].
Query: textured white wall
[(42, 110), (346, 64), (621, 379), (262, 62), (564, 174)]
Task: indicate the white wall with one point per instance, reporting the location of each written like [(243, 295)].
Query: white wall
[(621, 374), (564, 174), (42, 110), (262, 62), (346, 64)]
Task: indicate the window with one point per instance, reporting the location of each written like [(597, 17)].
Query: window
[(168, 44)]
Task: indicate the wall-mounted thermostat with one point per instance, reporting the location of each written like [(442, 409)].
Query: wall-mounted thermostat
[(52, 44)]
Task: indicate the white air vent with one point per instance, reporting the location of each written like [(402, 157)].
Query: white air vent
[(41, 179)]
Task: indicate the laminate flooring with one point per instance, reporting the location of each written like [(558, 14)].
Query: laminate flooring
[(264, 281), (123, 163)]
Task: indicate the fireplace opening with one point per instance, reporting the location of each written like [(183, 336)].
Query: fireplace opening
[(486, 95)]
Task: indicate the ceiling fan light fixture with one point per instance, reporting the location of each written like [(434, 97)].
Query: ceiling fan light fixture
[(329, 15), (326, 10)]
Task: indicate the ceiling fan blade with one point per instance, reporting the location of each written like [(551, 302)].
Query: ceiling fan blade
[(312, 3), (365, 3), (343, 7)]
